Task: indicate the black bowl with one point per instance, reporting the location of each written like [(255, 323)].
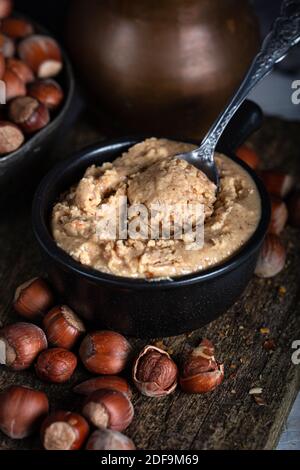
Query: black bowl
[(19, 170), (135, 306)]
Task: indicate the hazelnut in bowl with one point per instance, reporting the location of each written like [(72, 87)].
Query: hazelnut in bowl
[(151, 287), (37, 90)]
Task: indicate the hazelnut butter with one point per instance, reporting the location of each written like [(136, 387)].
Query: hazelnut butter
[(148, 174)]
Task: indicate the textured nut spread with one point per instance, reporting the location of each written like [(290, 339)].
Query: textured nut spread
[(148, 174)]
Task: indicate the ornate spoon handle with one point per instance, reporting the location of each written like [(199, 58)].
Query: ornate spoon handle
[(285, 34)]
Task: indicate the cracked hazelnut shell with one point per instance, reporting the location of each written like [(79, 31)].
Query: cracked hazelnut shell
[(154, 372), (201, 372)]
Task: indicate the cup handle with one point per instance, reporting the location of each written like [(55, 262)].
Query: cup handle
[(246, 121)]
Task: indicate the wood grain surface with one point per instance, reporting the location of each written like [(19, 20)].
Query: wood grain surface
[(228, 418)]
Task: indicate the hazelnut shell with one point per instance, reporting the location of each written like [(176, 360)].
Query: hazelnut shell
[(16, 28), (48, 92), (20, 343), (21, 411), (272, 257), (164, 373), (15, 87), (108, 382), (56, 365), (42, 54), (62, 327), (33, 298), (104, 352), (108, 409), (64, 430), (201, 373), (11, 137)]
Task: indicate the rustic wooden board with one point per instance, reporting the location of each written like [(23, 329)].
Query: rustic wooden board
[(228, 418)]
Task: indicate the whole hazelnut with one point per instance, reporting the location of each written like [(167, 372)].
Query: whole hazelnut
[(56, 365), (28, 114), (64, 430), (154, 372), (33, 298), (7, 46), (6, 7), (62, 327), (21, 411), (20, 343), (108, 409), (14, 85), (201, 373), (11, 137), (272, 257), (48, 92), (104, 352), (277, 182), (108, 382), (294, 209), (42, 54), (279, 216), (21, 69), (106, 439), (16, 28), (249, 156)]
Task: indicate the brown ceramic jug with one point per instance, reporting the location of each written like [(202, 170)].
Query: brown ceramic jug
[(162, 66)]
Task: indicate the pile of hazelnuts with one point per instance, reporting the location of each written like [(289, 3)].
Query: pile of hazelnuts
[(28, 63), (285, 205), (106, 409)]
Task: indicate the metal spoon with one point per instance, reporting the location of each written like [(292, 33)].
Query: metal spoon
[(285, 34)]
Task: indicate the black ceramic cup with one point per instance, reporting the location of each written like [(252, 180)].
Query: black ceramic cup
[(137, 307)]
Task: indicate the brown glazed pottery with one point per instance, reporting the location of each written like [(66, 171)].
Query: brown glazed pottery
[(165, 66)]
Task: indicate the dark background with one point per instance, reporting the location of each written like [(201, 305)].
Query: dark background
[(53, 13)]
